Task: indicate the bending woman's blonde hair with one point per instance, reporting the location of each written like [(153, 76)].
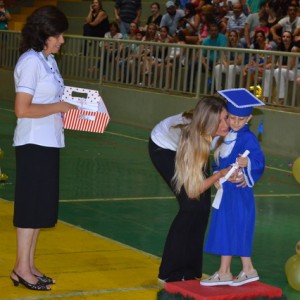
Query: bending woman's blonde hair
[(194, 145)]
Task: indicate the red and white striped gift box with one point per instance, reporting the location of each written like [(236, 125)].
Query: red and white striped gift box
[(92, 115), (86, 120)]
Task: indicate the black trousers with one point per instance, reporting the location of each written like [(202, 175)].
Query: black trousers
[(183, 251)]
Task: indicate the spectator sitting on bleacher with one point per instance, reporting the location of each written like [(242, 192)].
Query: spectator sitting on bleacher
[(189, 23), (149, 51), (251, 23), (111, 48), (97, 23), (284, 74), (220, 9), (124, 48), (273, 15), (127, 12), (177, 52), (175, 58), (131, 34), (209, 57), (163, 35), (230, 63), (129, 59), (207, 18), (263, 26), (237, 20), (289, 23), (161, 54), (155, 16), (172, 17), (4, 16), (281, 63), (258, 60), (215, 39)]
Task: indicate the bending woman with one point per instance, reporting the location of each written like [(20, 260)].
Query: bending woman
[(179, 148)]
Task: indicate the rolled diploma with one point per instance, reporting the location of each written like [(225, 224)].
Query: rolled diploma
[(219, 194)]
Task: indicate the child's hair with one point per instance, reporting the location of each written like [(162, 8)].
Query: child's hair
[(114, 24)]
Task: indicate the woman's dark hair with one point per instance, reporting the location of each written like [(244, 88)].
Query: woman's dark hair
[(43, 23), (155, 3), (281, 46), (114, 24), (191, 8), (165, 27), (256, 45)]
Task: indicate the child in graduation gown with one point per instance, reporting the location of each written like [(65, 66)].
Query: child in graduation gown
[(233, 218)]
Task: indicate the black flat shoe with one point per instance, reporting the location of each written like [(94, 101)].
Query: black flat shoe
[(45, 279), (39, 286)]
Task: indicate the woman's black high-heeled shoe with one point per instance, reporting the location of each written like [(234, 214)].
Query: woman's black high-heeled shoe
[(45, 279), (39, 286)]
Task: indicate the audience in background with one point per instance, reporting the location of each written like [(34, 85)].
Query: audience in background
[(289, 23), (97, 23), (215, 39), (189, 24), (256, 66), (172, 17), (148, 52), (176, 58), (254, 5), (209, 57), (110, 48), (237, 20), (127, 12), (251, 23), (4, 16), (124, 48), (155, 16), (257, 24), (128, 61), (131, 34), (219, 15), (286, 45), (287, 73), (206, 18), (230, 63)]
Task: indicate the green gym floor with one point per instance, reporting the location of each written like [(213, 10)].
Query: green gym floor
[(115, 212)]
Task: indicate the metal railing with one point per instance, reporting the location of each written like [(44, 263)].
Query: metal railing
[(192, 70)]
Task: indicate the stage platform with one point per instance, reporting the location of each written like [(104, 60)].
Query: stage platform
[(193, 289)]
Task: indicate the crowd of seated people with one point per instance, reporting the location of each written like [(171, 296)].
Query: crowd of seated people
[(261, 25)]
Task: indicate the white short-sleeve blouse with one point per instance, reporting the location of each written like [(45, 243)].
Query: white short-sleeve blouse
[(39, 76)]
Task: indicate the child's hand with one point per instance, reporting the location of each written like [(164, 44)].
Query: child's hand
[(242, 161), (235, 177)]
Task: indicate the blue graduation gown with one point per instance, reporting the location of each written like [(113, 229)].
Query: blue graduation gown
[(232, 225)]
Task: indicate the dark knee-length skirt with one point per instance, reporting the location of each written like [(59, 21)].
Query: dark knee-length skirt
[(37, 186)]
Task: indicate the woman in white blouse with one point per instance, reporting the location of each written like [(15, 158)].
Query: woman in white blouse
[(37, 139)]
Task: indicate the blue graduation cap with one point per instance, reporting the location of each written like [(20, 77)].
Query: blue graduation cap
[(240, 102)]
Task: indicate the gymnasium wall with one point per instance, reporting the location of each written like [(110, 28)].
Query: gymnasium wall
[(143, 108)]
